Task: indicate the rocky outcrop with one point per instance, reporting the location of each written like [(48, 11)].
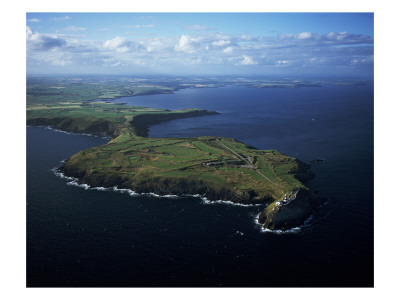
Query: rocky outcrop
[(302, 171), (282, 216)]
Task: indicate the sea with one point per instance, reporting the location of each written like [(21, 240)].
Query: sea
[(78, 236)]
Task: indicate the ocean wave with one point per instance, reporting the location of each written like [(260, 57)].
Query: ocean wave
[(74, 182), (227, 202), (82, 185), (100, 188), (57, 172), (161, 196), (294, 230), (239, 233), (71, 133)]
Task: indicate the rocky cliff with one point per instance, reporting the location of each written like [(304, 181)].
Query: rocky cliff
[(286, 214), (85, 125)]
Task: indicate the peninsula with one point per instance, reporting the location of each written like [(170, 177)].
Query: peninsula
[(217, 168)]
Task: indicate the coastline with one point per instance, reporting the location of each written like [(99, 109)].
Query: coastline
[(74, 182), (138, 126), (69, 132), (85, 185), (294, 230)]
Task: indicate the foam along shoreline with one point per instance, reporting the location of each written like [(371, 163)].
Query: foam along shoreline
[(74, 182), (307, 223), (206, 201), (71, 133)]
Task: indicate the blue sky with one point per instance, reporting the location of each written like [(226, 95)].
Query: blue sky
[(336, 44)]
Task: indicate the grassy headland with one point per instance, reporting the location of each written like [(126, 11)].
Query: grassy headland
[(216, 167)]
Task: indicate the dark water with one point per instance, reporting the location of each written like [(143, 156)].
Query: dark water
[(78, 237)]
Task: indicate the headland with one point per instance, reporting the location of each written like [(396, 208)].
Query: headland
[(216, 167)]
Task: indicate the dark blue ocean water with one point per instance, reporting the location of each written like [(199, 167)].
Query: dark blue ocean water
[(78, 237)]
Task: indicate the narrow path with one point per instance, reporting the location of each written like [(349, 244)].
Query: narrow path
[(259, 172), (233, 152)]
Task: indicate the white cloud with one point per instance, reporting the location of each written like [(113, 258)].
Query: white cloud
[(221, 43), (118, 44), (56, 59), (305, 49), (341, 36), (33, 20), (42, 42), (61, 18), (75, 28), (123, 49), (228, 50), (111, 62), (304, 35), (198, 27), (29, 32), (361, 60), (331, 35), (283, 62), (188, 44), (337, 36), (245, 37), (154, 45), (329, 39), (315, 60), (60, 62), (247, 60)]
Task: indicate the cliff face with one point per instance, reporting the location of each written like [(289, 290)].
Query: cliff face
[(164, 186), (78, 125), (302, 171), (283, 216), (141, 123)]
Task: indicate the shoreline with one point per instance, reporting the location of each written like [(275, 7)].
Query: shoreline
[(292, 230), (70, 132), (111, 100), (74, 182)]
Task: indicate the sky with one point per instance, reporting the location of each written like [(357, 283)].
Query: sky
[(309, 44)]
